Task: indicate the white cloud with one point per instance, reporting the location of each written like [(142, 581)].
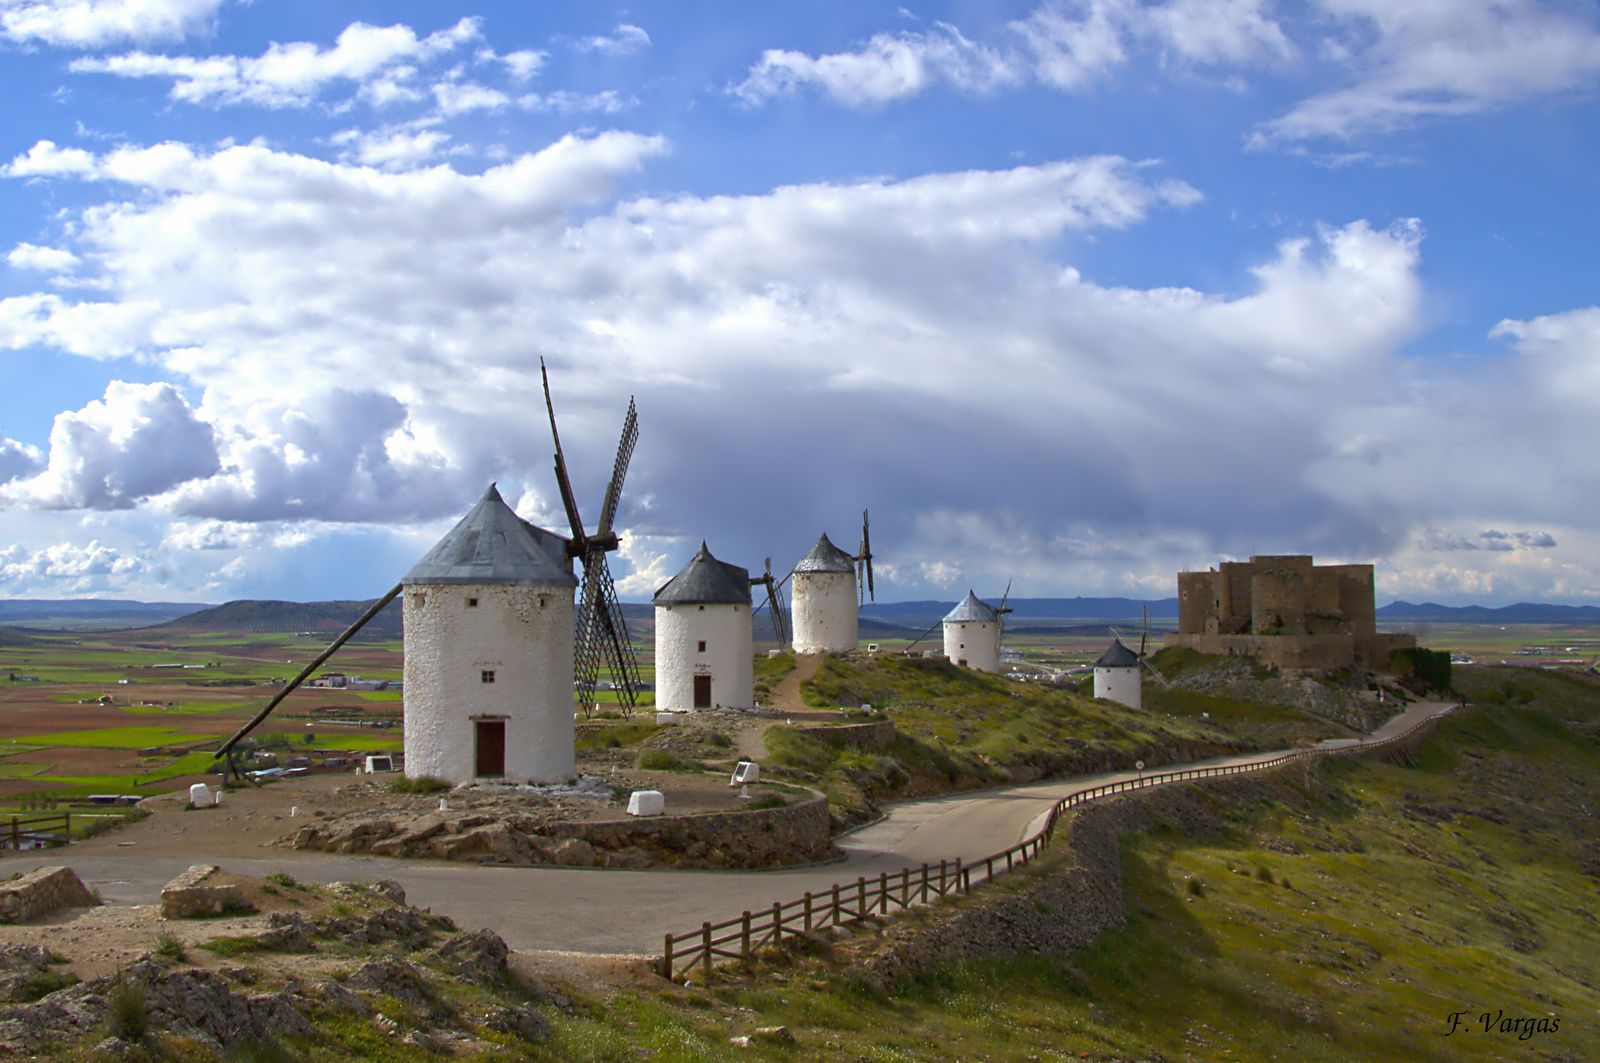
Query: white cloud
[(68, 567), (18, 460), (462, 97), (608, 101), (1413, 61), (395, 148), (45, 159), (141, 440), (890, 66), (524, 64), (292, 75), (96, 23), (626, 39), (1066, 45), (43, 259), (650, 562)]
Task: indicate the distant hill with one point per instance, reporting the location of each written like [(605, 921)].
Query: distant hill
[(257, 617), (1520, 613), (90, 613)]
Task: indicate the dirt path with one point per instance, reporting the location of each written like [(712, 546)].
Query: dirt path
[(786, 692)]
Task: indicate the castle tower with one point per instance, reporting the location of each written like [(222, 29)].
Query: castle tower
[(972, 634), (488, 652), (704, 646), (825, 600), (1116, 676)]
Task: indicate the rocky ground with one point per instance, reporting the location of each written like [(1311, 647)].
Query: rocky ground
[(1345, 700), (339, 970)]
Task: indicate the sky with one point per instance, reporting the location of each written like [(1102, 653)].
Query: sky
[(1075, 293)]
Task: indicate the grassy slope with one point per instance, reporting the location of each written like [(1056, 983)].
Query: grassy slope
[(1397, 895), (960, 729)]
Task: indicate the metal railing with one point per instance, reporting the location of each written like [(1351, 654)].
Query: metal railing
[(36, 831), (854, 902)]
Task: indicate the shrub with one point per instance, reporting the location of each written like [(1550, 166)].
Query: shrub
[(666, 760), (1264, 875), (170, 948), (767, 801), (127, 1016), (43, 984), (422, 784), (282, 878), (1197, 888)]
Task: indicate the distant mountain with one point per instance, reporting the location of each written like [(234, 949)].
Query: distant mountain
[(1044, 615), (1520, 613), (90, 613)]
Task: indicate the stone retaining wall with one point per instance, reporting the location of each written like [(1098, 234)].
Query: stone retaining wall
[(879, 734), (769, 837), (40, 892)]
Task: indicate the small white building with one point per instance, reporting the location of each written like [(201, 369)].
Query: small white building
[(1116, 676), (824, 608), (972, 634), (488, 652), (704, 646)]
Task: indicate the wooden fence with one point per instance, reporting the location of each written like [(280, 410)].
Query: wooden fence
[(853, 902), (41, 830)]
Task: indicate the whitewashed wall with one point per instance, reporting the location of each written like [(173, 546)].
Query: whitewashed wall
[(729, 656), (1120, 685), (523, 632), (975, 643), (824, 612)]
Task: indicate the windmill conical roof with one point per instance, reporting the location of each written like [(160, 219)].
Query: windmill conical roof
[(825, 557), (706, 581), (491, 544), (971, 608), (1117, 656)]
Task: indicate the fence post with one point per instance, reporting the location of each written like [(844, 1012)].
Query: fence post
[(16, 834), (777, 923), (808, 911), (883, 892), (942, 886), (905, 887), (924, 883), (744, 934), (66, 825), (835, 904), (705, 961), (666, 959), (958, 873), (861, 897)]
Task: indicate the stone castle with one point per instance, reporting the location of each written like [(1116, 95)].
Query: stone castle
[(1286, 612)]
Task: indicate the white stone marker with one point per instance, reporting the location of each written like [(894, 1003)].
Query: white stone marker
[(200, 796), (748, 771), (646, 803)]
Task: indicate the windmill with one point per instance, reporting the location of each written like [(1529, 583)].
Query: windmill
[(863, 560), (602, 631), (774, 601)]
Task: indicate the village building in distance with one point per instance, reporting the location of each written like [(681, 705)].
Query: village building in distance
[(1286, 612)]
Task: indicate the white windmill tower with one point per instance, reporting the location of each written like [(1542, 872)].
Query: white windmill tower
[(972, 632), (704, 649), (488, 663), (1116, 676), (829, 589), (1117, 673)]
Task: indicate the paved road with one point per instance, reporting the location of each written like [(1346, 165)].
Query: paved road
[(604, 911)]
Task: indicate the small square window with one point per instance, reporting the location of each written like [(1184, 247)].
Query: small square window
[(472, 603), (702, 645), (487, 675)]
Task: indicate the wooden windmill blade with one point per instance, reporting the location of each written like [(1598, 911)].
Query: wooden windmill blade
[(601, 635), (864, 564), (774, 602), (305, 673)]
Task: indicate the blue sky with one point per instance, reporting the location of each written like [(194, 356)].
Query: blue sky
[(1076, 292)]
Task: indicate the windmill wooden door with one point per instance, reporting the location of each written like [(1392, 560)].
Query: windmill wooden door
[(702, 692), (491, 749)]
